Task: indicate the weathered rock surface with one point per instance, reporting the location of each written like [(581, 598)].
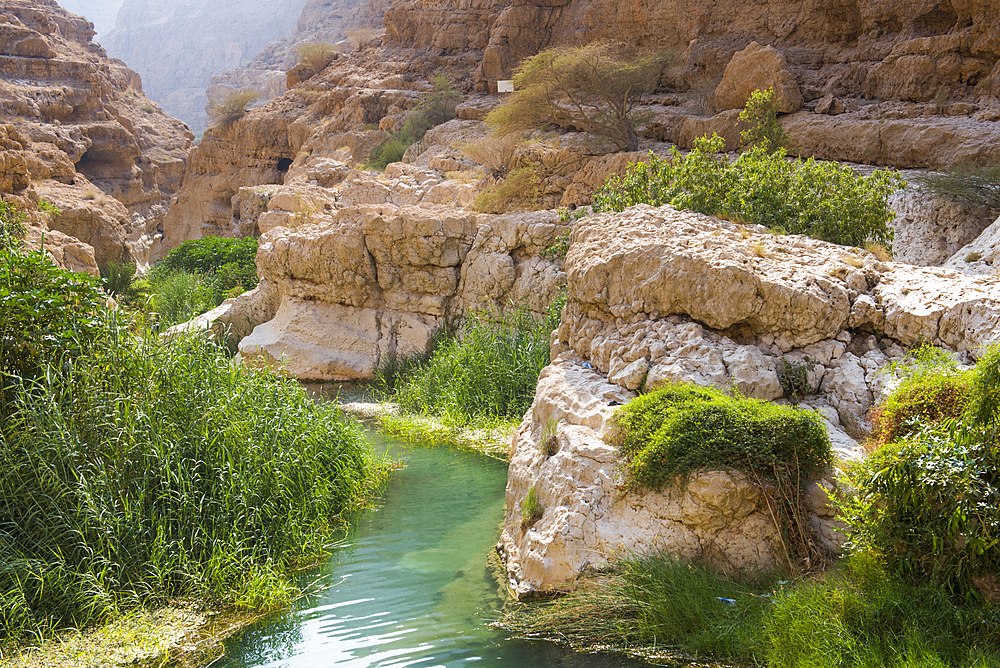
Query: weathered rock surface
[(362, 265), (980, 256), (83, 136), (929, 230), (757, 68), (658, 296)]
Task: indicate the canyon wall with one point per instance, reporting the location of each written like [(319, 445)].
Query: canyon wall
[(178, 46), (84, 137)]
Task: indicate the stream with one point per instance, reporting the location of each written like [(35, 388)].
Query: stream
[(409, 586)]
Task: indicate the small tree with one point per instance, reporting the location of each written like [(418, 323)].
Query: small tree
[(761, 114), (233, 106), (316, 55), (594, 87)]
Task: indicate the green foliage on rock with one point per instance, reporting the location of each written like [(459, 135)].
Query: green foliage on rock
[(927, 500), (761, 117), (667, 434), (12, 227), (821, 199), (435, 108)]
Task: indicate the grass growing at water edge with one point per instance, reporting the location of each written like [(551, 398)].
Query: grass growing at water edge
[(477, 382), (134, 470)]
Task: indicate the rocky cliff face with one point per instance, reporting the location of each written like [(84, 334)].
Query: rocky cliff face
[(659, 296), (85, 137), (347, 23), (178, 46)]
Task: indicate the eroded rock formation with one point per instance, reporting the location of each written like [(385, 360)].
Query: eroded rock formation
[(88, 139), (659, 296)]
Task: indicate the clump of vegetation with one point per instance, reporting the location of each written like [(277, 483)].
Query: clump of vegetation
[(486, 372), (761, 117), (475, 382), (667, 434), (933, 389), (822, 199), (520, 189), (12, 227), (926, 499), (859, 615), (134, 470), (975, 185), (531, 509), (48, 208), (594, 88), (434, 109), (316, 55), (193, 278), (794, 378), (232, 106), (497, 152)]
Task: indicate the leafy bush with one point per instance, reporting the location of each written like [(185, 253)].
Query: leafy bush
[(521, 189), (822, 199), (232, 106), (178, 296), (117, 279), (316, 55), (761, 115), (47, 315), (928, 504), (210, 254), (669, 433), (932, 390), (12, 227)]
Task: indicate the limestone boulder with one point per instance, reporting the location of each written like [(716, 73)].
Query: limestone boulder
[(981, 256), (929, 230), (755, 68)]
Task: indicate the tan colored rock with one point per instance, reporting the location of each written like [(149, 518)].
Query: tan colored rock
[(981, 256), (87, 136), (587, 521), (756, 68), (929, 230)]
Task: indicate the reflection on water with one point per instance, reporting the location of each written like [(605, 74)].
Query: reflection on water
[(411, 586)]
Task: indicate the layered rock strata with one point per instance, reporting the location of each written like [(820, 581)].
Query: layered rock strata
[(89, 140), (659, 296)]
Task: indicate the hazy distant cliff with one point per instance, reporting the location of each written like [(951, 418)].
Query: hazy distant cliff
[(176, 46)]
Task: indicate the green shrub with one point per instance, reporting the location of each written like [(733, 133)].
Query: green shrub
[(47, 315), (928, 504), (822, 199), (12, 227), (152, 470), (210, 254), (519, 190), (178, 296), (932, 390), (761, 115), (117, 280), (669, 433)]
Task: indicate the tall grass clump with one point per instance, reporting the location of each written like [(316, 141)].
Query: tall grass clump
[(232, 106), (133, 470), (316, 55), (859, 615), (487, 371)]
